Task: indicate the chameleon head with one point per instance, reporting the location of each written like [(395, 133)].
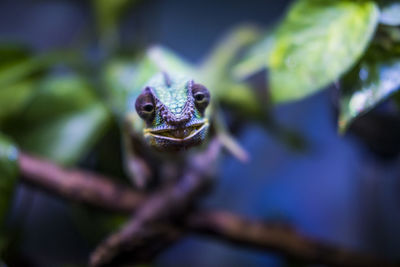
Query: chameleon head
[(174, 113)]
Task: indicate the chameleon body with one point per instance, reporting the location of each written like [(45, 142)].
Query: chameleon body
[(164, 111), (165, 115)]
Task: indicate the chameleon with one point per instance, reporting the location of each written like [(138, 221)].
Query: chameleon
[(166, 110), (172, 109), (164, 114)]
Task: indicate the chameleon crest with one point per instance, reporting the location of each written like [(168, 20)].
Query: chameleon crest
[(173, 109)]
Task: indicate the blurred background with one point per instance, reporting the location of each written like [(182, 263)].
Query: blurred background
[(341, 189)]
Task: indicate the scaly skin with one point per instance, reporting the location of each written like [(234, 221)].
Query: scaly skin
[(169, 114), (173, 109)]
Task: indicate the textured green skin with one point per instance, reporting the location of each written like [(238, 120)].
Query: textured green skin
[(173, 95), (174, 103)]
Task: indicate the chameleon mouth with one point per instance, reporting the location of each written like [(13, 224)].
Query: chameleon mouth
[(178, 134)]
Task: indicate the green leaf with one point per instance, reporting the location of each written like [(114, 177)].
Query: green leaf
[(62, 121), (14, 97), (218, 64), (119, 77), (12, 52), (388, 36), (20, 69), (108, 14), (216, 72), (316, 43), (374, 79), (390, 14), (8, 177), (19, 72), (166, 60), (255, 59), (243, 99), (16, 83)]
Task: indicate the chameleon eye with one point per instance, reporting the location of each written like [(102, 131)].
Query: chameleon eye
[(201, 96), (149, 107), (145, 105)]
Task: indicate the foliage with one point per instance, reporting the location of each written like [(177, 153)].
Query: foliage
[(374, 78), (18, 74), (77, 119), (255, 58), (308, 56), (108, 14), (53, 115), (53, 109), (216, 72), (321, 42)]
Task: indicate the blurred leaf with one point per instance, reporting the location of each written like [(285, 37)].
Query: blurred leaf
[(216, 72), (316, 43), (108, 14), (374, 79), (242, 98), (62, 121), (166, 60), (19, 72), (119, 77), (390, 14), (14, 87), (21, 68), (217, 65), (12, 52), (388, 37), (14, 97), (8, 177), (255, 59)]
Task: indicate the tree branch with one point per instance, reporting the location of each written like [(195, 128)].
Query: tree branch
[(77, 185), (160, 206), (272, 237), (100, 191)]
